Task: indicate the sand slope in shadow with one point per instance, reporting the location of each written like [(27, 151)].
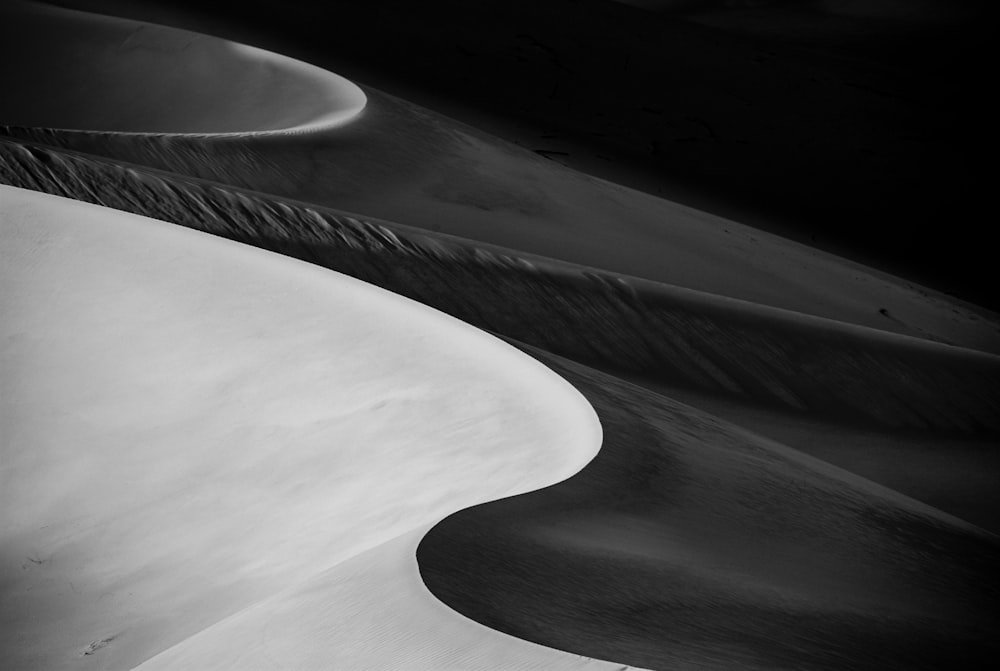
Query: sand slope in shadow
[(670, 333), (406, 164), (691, 543), (854, 125), (80, 71)]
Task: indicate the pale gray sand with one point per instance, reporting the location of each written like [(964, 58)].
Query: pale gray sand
[(191, 426)]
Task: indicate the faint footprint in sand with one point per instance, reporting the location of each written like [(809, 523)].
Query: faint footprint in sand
[(97, 645), (34, 560)]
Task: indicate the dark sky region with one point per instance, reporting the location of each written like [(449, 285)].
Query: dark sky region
[(858, 127)]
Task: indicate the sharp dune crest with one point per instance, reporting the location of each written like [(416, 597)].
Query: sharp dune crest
[(85, 72), (192, 425), (689, 542)]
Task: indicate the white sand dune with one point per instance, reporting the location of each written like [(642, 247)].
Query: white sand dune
[(79, 71), (191, 426), (370, 612)]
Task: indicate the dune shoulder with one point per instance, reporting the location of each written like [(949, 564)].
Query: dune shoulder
[(84, 72)]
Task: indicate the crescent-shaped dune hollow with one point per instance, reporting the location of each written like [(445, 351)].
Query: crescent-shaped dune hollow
[(193, 426), (88, 72)]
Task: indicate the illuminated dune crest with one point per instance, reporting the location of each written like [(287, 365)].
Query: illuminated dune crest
[(193, 426), (81, 71)]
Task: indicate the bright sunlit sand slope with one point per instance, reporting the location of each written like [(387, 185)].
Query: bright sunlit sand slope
[(192, 426)]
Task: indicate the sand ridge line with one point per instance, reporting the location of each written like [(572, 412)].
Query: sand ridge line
[(71, 78), (681, 334)]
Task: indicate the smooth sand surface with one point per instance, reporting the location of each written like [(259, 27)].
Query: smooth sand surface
[(862, 136), (406, 164), (80, 71), (192, 426), (687, 543), (955, 473), (691, 543), (370, 612)]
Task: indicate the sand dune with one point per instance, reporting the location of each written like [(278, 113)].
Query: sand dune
[(861, 135), (689, 543), (220, 458), (192, 425), (406, 164), (79, 71), (669, 333), (371, 612), (953, 472)]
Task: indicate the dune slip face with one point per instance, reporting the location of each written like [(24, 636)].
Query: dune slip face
[(691, 543), (192, 426)]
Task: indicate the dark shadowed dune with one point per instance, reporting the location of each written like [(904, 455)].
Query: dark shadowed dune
[(956, 473), (79, 71), (858, 127), (689, 543), (406, 164)]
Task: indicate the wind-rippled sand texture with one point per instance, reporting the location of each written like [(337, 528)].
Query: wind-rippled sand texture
[(587, 314)]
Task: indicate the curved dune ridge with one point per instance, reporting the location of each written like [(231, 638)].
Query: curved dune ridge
[(220, 457), (665, 333), (193, 426), (87, 72), (690, 543)]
